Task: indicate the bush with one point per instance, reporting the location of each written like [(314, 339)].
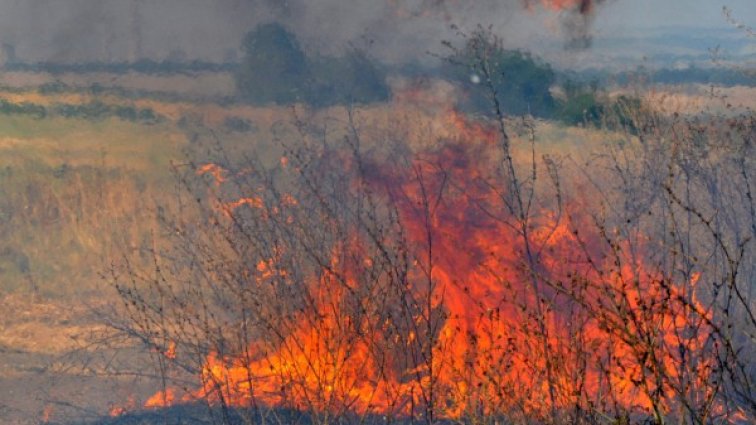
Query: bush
[(276, 70), (92, 110), (585, 105), (53, 88), (148, 116), (353, 78), (238, 124), (98, 111), (581, 105), (25, 108), (521, 82)]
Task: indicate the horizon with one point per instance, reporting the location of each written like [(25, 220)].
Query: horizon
[(71, 31)]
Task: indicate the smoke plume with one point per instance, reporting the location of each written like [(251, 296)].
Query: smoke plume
[(395, 30)]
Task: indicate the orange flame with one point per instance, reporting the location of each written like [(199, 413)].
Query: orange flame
[(118, 410), (503, 341), (162, 399), (582, 6), (170, 352), (47, 413), (218, 173)]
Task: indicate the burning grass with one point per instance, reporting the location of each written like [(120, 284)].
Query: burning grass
[(376, 263), (464, 280)]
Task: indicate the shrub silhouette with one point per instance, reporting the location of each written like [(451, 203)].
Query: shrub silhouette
[(520, 82), (276, 70), (352, 78)]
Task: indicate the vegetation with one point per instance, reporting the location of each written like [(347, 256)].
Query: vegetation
[(275, 70), (720, 76), (144, 66), (350, 79), (25, 108), (94, 110), (447, 268), (522, 84), (519, 84), (238, 124), (72, 189), (587, 105), (476, 279)]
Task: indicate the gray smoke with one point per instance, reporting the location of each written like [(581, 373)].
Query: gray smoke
[(395, 30)]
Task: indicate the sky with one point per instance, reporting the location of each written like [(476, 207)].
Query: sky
[(643, 14), (395, 30)]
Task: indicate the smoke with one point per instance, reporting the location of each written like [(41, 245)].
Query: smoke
[(395, 30), (577, 24)]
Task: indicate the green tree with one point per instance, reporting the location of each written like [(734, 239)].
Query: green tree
[(520, 82)]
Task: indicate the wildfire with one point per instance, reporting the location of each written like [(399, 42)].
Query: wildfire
[(444, 8), (118, 410), (584, 7), (475, 132), (47, 413), (218, 173), (492, 337), (163, 399)]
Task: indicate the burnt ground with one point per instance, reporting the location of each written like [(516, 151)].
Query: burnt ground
[(198, 414)]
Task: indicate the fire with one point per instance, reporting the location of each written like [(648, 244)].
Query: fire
[(581, 6), (47, 414), (170, 352), (252, 202), (162, 399), (218, 173), (476, 132), (311, 360), (444, 8), (118, 410), (492, 337)]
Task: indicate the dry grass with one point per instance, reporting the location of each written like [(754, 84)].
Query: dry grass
[(39, 326), (76, 192), (694, 98)]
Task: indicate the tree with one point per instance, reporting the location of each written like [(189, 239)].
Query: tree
[(274, 68), (520, 82), (350, 79)]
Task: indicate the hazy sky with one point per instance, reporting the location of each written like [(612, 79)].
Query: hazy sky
[(89, 30), (655, 13)]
